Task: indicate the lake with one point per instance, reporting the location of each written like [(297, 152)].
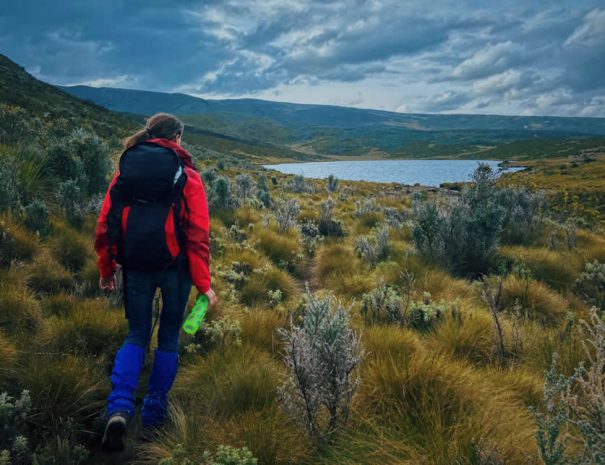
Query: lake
[(424, 172)]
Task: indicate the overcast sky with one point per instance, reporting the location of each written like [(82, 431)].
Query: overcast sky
[(511, 57)]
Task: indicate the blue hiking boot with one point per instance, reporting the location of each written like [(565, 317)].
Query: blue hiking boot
[(120, 403), (155, 404)]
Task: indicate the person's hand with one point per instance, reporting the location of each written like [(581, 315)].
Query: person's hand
[(109, 283), (212, 299)]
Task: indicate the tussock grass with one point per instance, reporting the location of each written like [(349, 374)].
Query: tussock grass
[(59, 304), (19, 309), (47, 276), (16, 242), (259, 328), (69, 249), (255, 290), (524, 385), (8, 355), (89, 329), (539, 343), (282, 249), (267, 433), (535, 299), (443, 286), (472, 339), (63, 387), (558, 269), (442, 408), (334, 259), (391, 343), (242, 380)]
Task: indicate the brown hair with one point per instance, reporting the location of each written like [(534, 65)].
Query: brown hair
[(160, 125)]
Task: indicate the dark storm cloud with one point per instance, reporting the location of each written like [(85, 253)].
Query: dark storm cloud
[(439, 56)]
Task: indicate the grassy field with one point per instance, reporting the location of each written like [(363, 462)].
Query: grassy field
[(458, 300), (440, 395)]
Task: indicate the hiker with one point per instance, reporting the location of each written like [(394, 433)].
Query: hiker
[(154, 223)]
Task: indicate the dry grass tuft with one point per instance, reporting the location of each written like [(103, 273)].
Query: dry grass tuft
[(19, 309), (282, 249), (16, 242), (558, 269), (255, 290), (46, 276), (472, 339), (534, 299), (89, 329)]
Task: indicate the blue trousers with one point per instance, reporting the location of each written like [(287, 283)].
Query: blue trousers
[(140, 287), (175, 286)]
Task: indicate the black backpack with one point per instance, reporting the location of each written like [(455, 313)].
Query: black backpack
[(145, 231)]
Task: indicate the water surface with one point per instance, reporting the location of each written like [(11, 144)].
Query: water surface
[(424, 172)]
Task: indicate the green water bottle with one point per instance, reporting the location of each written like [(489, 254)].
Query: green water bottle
[(198, 312)]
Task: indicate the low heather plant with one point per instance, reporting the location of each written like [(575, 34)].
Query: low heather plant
[(300, 185), (244, 188), (328, 226), (374, 248), (37, 217), (322, 355), (366, 206), (591, 285), (383, 305), (286, 214), (332, 185)]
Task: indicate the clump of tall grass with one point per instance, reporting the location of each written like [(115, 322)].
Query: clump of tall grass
[(70, 250), (284, 250), (533, 299), (470, 338), (62, 387), (559, 270), (20, 309), (230, 383), (322, 355), (47, 276), (89, 329), (254, 292), (16, 243)]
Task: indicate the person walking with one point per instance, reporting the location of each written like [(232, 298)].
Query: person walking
[(154, 223)]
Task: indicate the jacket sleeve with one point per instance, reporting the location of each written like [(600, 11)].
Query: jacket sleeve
[(197, 231), (107, 266)]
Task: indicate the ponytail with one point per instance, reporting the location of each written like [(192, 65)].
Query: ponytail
[(160, 125)]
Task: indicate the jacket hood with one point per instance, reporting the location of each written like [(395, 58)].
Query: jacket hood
[(180, 151)]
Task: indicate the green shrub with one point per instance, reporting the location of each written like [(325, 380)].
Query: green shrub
[(14, 445), (332, 184), (37, 217), (383, 305), (374, 248), (9, 191), (462, 234), (70, 199), (328, 225)]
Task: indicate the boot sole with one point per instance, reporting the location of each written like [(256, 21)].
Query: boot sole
[(113, 438)]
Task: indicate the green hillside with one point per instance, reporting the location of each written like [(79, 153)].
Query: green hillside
[(330, 130)]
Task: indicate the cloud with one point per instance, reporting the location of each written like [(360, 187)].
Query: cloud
[(442, 56)]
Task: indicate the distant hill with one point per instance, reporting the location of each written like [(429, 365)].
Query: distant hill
[(19, 88), (333, 130)]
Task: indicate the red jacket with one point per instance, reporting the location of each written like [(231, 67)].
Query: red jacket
[(195, 220)]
